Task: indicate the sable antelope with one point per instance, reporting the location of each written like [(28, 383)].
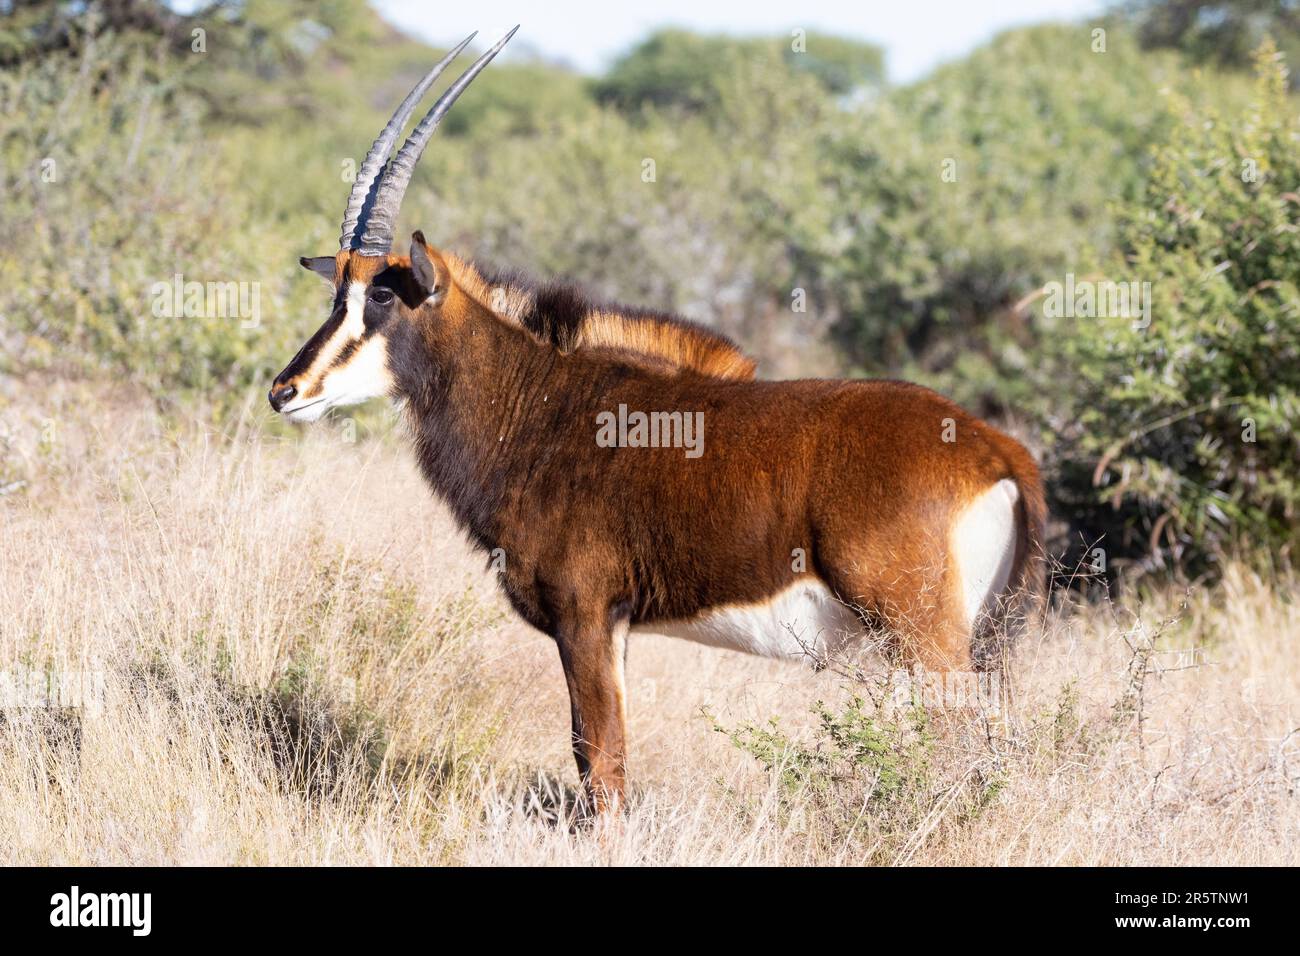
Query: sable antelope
[(817, 511)]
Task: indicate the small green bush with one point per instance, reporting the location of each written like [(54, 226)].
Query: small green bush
[(863, 777)]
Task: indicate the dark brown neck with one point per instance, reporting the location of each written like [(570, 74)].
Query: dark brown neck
[(480, 397)]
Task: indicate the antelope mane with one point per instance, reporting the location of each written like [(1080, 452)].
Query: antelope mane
[(560, 315)]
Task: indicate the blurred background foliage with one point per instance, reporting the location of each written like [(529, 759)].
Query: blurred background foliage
[(1221, 33), (920, 221)]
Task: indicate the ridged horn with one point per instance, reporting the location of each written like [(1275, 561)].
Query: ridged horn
[(377, 237), (366, 185)]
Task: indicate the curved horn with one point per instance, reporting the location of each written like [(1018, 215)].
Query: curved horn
[(378, 235), (365, 186)]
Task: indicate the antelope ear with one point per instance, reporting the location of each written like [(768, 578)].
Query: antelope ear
[(323, 266), (427, 267)]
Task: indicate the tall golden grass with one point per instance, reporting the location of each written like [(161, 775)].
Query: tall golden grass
[(303, 662)]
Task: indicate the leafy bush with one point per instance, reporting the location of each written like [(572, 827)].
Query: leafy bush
[(111, 189), (1222, 32), (1179, 441), (1039, 133)]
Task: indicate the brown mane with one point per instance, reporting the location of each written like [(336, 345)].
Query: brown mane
[(559, 314)]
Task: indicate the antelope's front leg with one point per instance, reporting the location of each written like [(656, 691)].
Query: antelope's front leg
[(592, 654)]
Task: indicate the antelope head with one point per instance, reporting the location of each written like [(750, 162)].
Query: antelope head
[(377, 294)]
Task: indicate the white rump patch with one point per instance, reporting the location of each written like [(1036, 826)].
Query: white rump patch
[(984, 545), (805, 619)]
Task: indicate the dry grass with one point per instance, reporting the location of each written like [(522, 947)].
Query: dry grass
[(302, 662)]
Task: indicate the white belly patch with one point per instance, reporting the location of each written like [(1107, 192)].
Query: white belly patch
[(803, 621)]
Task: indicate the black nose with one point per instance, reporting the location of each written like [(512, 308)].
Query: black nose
[(281, 396)]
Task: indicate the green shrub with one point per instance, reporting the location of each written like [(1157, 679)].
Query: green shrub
[(864, 778), (1222, 32), (102, 199), (1038, 134), (1179, 441)]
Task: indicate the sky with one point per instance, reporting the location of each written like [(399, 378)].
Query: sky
[(917, 35)]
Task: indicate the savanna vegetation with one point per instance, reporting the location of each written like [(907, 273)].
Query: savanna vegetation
[(780, 189)]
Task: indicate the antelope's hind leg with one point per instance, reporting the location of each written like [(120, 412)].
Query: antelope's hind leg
[(916, 601), (932, 630)]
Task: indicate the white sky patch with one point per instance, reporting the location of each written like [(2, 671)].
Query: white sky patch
[(916, 36)]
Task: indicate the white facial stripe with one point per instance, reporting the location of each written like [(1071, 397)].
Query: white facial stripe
[(363, 376), (352, 326), (354, 320)]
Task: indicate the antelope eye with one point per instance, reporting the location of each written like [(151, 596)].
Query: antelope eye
[(381, 296)]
